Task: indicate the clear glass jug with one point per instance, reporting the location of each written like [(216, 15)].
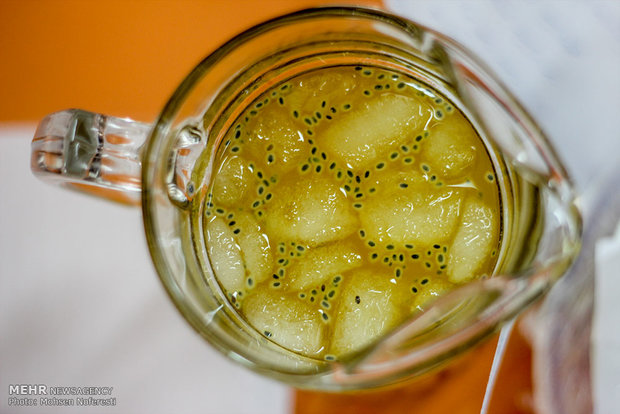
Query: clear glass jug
[(135, 163)]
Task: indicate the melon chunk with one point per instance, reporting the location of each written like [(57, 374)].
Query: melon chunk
[(286, 320), (473, 243), (312, 211), (308, 94), (368, 309), (232, 181), (255, 249), (361, 136), (451, 146), (411, 215), (225, 255), (320, 263), (278, 139)]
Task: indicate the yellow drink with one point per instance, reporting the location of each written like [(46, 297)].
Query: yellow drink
[(344, 201)]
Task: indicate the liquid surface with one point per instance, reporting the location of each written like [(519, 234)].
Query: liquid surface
[(343, 202)]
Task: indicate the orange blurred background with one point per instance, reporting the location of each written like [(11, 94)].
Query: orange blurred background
[(125, 58)]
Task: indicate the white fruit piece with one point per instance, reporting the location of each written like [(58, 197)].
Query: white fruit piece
[(369, 308), (278, 139), (451, 146), (358, 137), (308, 94), (424, 294), (320, 263), (255, 249), (311, 211), (286, 320), (232, 181), (473, 242), (413, 215), (225, 255)]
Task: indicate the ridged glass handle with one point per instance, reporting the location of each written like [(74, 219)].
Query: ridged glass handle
[(94, 153)]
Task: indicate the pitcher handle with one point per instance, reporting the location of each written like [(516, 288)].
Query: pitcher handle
[(91, 152)]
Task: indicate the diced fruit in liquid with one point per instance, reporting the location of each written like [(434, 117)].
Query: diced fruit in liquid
[(225, 255), (286, 320), (359, 137), (355, 190), (321, 263), (277, 135), (411, 215), (312, 211), (255, 249), (473, 243), (368, 309), (232, 181), (451, 146)]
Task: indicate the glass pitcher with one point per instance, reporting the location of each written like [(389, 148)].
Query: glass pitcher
[(153, 165)]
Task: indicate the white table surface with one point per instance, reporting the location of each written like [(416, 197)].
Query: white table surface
[(80, 304)]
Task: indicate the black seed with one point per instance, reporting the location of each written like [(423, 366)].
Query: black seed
[(309, 132), (318, 115), (374, 256), (333, 110), (362, 233), (358, 300), (439, 114), (258, 105), (358, 179), (367, 174), (347, 106), (414, 289), (322, 288), (424, 281), (425, 167), (253, 112), (359, 195), (404, 185), (234, 149), (390, 247), (381, 76), (408, 160), (268, 196), (324, 315), (268, 334), (250, 281), (397, 273), (415, 256), (219, 211), (237, 134), (276, 284), (324, 156), (305, 167), (372, 190), (367, 93), (400, 85), (357, 205), (337, 279), (371, 243), (367, 72), (300, 248), (380, 165), (347, 188), (237, 231), (261, 190), (296, 114), (331, 293), (270, 158), (332, 166), (328, 116), (302, 295), (401, 257), (378, 87)]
